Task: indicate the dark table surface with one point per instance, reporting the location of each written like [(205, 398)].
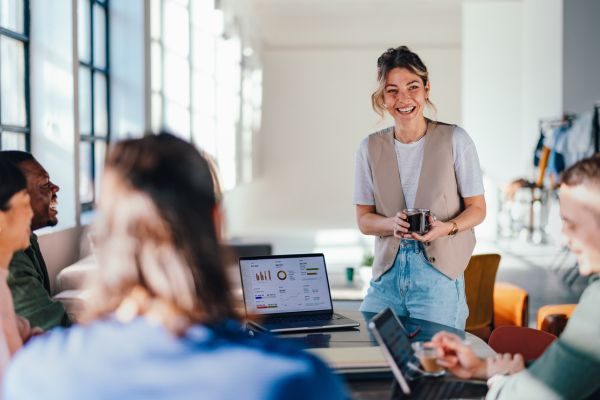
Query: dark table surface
[(378, 384), (360, 336)]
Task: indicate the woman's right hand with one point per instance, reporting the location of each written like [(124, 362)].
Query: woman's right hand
[(400, 226)]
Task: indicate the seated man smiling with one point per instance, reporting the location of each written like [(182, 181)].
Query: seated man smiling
[(570, 367), (28, 279)]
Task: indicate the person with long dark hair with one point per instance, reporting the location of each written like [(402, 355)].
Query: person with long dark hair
[(15, 219)]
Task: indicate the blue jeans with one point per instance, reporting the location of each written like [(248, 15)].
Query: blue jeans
[(414, 288)]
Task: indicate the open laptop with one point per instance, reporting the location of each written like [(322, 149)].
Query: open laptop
[(395, 345), (289, 293)]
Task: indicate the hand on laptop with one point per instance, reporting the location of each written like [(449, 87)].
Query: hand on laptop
[(460, 359)]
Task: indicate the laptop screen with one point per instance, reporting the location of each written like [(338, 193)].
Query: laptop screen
[(394, 339), (285, 284)]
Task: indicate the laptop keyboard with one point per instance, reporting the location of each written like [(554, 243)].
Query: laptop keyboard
[(308, 318), (440, 390)]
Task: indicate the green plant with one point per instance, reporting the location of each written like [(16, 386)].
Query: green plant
[(367, 260)]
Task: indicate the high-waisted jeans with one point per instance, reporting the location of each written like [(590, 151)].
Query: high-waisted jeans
[(414, 288)]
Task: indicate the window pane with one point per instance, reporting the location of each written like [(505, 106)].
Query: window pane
[(99, 37), (156, 112), (176, 31), (86, 188), (83, 30), (156, 66), (205, 132), (13, 141), (201, 11), (12, 15), (100, 149), (177, 79), (177, 120), (85, 101), (204, 51), (100, 108), (204, 94), (155, 18), (12, 82)]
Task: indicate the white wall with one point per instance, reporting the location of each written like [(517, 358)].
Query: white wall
[(512, 77), (319, 73), (542, 55), (492, 85), (55, 135), (53, 121), (52, 99)]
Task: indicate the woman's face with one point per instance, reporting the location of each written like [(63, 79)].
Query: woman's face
[(405, 95), (15, 223)]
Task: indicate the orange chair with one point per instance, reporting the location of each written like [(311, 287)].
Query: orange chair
[(480, 276), (553, 318), (511, 305), (528, 342)]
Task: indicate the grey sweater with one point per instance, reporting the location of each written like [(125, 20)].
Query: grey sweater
[(570, 367)]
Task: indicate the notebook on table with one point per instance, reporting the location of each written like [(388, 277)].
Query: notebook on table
[(289, 293), (396, 348)]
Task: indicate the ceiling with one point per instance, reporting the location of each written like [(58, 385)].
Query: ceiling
[(356, 23)]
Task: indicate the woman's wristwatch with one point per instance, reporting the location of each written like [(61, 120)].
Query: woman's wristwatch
[(454, 229)]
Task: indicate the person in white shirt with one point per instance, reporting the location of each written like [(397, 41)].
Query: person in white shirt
[(408, 277)]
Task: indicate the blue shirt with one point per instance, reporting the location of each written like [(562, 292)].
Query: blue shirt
[(140, 360)]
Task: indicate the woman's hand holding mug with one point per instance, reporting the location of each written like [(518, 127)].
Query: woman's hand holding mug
[(400, 226)]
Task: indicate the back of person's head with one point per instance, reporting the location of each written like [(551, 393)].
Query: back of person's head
[(156, 239), (585, 172), (12, 181)]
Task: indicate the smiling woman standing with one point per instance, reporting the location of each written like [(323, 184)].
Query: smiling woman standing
[(417, 163)]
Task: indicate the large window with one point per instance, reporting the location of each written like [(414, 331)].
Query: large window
[(200, 89), (170, 57), (94, 96), (14, 75)]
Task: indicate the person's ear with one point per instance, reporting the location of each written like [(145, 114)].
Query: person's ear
[(427, 89), (218, 220)]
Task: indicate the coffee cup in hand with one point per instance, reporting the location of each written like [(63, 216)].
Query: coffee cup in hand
[(418, 218), (427, 353)]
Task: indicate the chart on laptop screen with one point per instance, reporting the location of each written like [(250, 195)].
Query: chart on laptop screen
[(280, 285)]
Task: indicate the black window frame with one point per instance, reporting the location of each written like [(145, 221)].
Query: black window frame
[(24, 38), (92, 138)]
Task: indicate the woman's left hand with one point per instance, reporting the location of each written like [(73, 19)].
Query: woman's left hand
[(437, 229)]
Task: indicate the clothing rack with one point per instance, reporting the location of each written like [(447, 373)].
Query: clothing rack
[(566, 119)]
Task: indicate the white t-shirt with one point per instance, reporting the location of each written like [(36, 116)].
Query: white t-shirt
[(410, 159)]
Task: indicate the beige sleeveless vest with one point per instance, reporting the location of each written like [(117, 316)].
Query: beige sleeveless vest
[(437, 190)]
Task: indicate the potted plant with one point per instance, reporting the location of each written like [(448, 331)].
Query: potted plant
[(366, 267)]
